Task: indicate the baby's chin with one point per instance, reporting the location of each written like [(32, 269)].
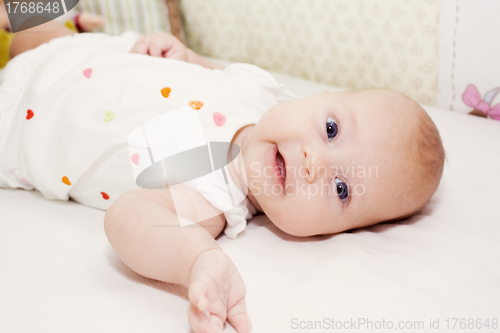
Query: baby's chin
[(303, 230), (291, 229)]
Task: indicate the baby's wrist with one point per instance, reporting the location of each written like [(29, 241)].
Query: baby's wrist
[(195, 58), (209, 252), (205, 259), (209, 255)]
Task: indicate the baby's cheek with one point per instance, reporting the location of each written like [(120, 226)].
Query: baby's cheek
[(312, 215), (258, 188)]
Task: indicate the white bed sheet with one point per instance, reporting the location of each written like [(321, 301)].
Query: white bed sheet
[(59, 274)]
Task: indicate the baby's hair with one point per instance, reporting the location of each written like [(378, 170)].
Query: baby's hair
[(426, 157)]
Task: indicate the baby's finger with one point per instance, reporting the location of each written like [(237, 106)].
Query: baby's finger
[(216, 322), (238, 317), (177, 53), (201, 321), (155, 50), (198, 294), (140, 47)]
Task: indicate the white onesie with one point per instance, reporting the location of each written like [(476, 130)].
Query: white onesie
[(68, 108)]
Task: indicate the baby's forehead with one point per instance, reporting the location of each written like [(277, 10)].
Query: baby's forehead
[(383, 110), (385, 99), (384, 131)]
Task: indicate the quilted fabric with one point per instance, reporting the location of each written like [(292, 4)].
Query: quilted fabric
[(349, 43)]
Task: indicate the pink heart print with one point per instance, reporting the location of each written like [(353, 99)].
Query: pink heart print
[(135, 159), (88, 73), (219, 119)]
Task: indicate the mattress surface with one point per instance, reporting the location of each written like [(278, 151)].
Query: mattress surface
[(59, 273)]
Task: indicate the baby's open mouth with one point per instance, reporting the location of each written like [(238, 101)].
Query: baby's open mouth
[(280, 163)]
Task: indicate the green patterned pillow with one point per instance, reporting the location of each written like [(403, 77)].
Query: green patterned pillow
[(141, 16)]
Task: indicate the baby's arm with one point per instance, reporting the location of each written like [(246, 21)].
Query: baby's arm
[(146, 235)]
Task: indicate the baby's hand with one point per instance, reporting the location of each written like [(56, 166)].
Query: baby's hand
[(217, 294), (162, 45)]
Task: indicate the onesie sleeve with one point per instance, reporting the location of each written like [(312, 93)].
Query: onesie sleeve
[(261, 77), (237, 217)]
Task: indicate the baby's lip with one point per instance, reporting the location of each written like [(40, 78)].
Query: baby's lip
[(281, 163), (273, 162), (280, 167)]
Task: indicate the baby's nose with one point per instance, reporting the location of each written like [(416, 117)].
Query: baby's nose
[(313, 164)]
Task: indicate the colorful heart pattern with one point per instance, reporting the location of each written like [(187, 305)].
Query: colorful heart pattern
[(196, 105), (109, 116), (66, 181), (135, 159), (165, 92), (88, 73), (219, 118)]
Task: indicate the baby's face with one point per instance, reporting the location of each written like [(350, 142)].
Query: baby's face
[(343, 159)]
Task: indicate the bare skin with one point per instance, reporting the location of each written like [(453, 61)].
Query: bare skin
[(29, 39), (89, 22), (4, 19)]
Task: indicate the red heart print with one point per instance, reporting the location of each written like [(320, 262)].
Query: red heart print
[(105, 196), (30, 115)]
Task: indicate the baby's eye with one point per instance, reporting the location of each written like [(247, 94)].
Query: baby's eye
[(331, 128), (342, 190)]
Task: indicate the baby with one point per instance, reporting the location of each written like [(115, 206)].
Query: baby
[(316, 165)]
